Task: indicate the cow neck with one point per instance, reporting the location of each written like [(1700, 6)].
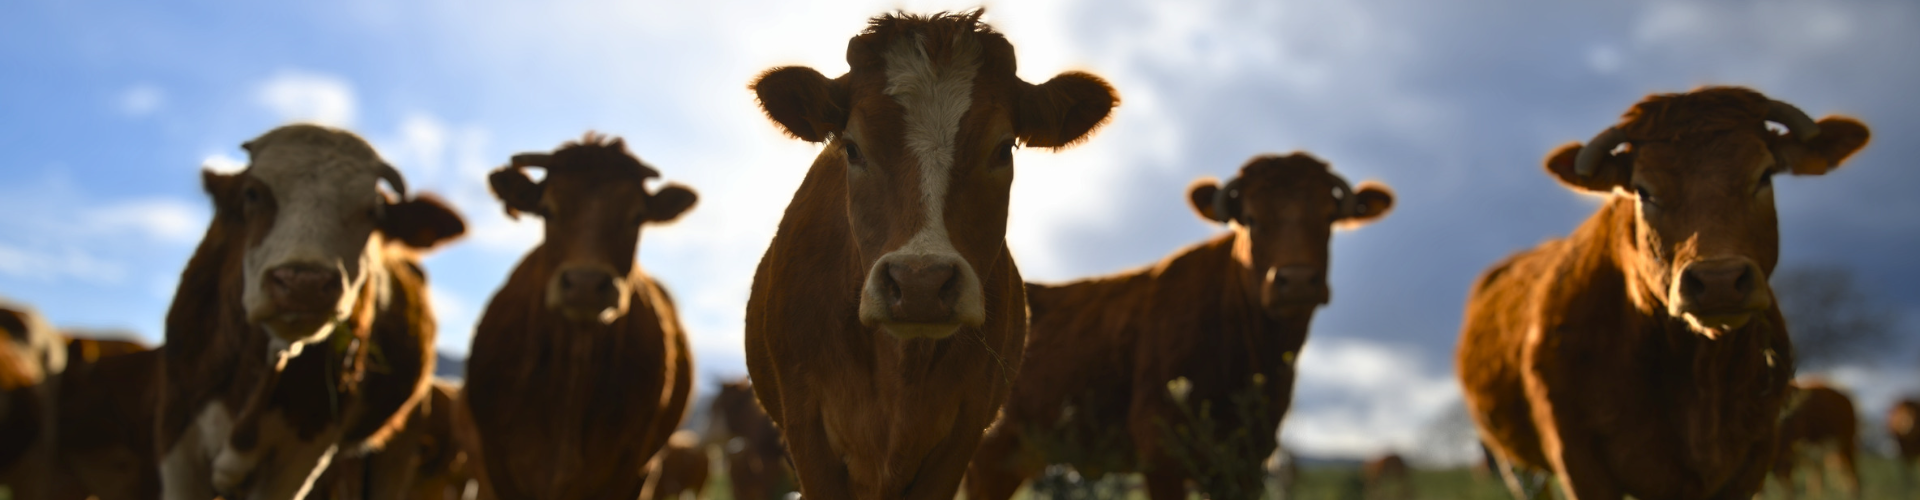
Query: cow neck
[(1727, 378), (1263, 340)]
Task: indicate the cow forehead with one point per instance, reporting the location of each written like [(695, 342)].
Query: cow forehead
[(300, 173)]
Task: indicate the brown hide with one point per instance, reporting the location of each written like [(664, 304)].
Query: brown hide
[(1610, 358), (1094, 389), (220, 396), (1386, 477), (32, 358), (107, 398), (756, 458), (1903, 423), (423, 461), (572, 392), (1820, 425), (679, 470), (886, 317)]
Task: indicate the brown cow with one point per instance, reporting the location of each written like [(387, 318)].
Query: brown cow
[(756, 457), (31, 359), (107, 398), (1223, 318), (1903, 422), (1820, 423), (887, 316), (679, 470), (1386, 477), (580, 368), (300, 327), (424, 461), (1644, 355)]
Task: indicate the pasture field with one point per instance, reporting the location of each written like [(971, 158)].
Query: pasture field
[(1879, 475)]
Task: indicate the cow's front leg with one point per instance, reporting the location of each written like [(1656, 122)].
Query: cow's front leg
[(268, 459), (185, 471)]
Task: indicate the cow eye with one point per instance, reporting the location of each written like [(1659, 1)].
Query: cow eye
[(1646, 197), (1003, 154), (853, 153), (250, 194), (1766, 181)]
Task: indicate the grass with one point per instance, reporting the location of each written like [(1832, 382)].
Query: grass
[(1879, 477)]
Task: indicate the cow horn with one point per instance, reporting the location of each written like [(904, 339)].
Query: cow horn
[(1222, 199), (1596, 150), (1344, 193), (1797, 122), (393, 179), (531, 160)]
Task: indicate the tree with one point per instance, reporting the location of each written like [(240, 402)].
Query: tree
[(1831, 321)]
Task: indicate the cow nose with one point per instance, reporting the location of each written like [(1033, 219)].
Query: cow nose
[(304, 287), (587, 289), (1719, 285), (922, 289), (1297, 281)]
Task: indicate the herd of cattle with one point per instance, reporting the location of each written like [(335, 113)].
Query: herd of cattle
[(894, 348)]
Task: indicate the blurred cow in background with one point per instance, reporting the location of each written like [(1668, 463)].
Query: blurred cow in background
[(679, 470), (1387, 477), (1182, 370), (1903, 423), (755, 456), (1820, 426), (107, 402), (32, 355)]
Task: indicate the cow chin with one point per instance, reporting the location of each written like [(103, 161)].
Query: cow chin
[(1712, 325), (298, 328), (929, 331)]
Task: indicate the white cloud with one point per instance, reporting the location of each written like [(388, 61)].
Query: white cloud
[(310, 97), (164, 220), (141, 100), (1357, 398), (222, 163), (52, 264)]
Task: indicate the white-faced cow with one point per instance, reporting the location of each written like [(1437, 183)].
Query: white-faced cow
[(300, 328), (887, 318)]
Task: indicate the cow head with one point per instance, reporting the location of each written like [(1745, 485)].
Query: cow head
[(30, 350), (924, 125), (1283, 210), (594, 199), (1699, 168), (306, 211)]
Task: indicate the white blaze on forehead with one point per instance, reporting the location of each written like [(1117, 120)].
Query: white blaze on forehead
[(934, 96)]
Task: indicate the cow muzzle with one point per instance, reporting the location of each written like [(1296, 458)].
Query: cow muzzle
[(1720, 294), (1293, 290), (304, 300), (588, 294), (922, 296)]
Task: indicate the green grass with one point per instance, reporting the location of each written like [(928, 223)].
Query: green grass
[(1879, 477)]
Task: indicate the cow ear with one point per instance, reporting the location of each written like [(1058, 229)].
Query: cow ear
[(1372, 200), (670, 202), (422, 222), (1063, 111), (1839, 138), (224, 189), (805, 103), (1614, 171), (1201, 194), (516, 191)]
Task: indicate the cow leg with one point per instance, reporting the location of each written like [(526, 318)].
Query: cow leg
[(822, 472), (1165, 482), (998, 467), (1849, 470), (294, 465), (185, 469)]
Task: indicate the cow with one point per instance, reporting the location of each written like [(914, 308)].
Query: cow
[(424, 461), (580, 368), (300, 328), (32, 356), (1386, 477), (886, 318), (1903, 424), (1181, 370), (1644, 354), (1819, 424), (679, 470), (756, 458), (107, 402)]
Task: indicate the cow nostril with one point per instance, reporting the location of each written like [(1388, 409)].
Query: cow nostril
[(1744, 283), (566, 283), (1690, 285)]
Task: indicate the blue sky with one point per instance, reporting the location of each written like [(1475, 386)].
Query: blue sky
[(108, 109)]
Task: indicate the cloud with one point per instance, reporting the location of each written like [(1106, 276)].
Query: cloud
[(311, 97), (47, 265), (163, 220), (222, 163), (1358, 398), (141, 100)]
